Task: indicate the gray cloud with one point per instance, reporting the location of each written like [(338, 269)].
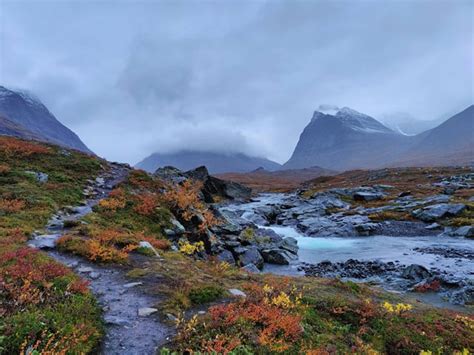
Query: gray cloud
[(136, 77)]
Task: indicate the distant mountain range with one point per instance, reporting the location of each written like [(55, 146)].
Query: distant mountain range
[(349, 140), (216, 163), (23, 115)]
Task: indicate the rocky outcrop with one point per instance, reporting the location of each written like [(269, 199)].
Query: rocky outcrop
[(435, 212), (213, 188)]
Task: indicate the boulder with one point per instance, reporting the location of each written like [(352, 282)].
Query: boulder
[(146, 311), (440, 210), (277, 256), (251, 256), (46, 241), (290, 244), (250, 268), (226, 256), (465, 231), (236, 292), (415, 272), (367, 196)]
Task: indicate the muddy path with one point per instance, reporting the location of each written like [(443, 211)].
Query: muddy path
[(132, 324)]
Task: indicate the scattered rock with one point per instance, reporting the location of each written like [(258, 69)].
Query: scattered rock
[(250, 268), (94, 275), (46, 241), (368, 196), (276, 256), (226, 256), (236, 292), (132, 284), (85, 269), (146, 311), (415, 272), (251, 256), (441, 210)]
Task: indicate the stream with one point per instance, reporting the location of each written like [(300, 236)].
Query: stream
[(451, 257)]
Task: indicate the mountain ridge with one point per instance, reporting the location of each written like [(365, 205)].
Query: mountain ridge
[(216, 163), (27, 111)]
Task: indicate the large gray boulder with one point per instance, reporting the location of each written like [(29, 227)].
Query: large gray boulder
[(251, 256), (438, 211), (415, 272), (277, 256)]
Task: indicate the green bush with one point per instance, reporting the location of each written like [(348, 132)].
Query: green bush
[(206, 294)]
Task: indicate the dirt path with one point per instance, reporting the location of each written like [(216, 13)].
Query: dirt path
[(127, 331)]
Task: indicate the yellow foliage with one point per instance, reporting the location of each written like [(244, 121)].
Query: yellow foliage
[(398, 308), (189, 249)]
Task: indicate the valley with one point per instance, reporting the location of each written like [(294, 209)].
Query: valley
[(180, 260)]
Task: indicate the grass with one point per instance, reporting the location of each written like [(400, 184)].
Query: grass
[(43, 305)]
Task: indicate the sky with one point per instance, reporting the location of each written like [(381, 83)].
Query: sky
[(136, 77)]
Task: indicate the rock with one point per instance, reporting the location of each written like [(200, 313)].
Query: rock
[(217, 187), (171, 317), (85, 269), (433, 226), (441, 210), (46, 241), (94, 275), (404, 193), (277, 256), (250, 268), (368, 196), (100, 181), (415, 272), (290, 244), (465, 231), (132, 284), (251, 256), (226, 256), (114, 320), (236, 292), (464, 296), (147, 245), (146, 311), (366, 229), (176, 230), (212, 186), (39, 176)]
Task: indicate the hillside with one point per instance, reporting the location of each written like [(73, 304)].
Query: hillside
[(277, 181), (216, 163), (33, 120)]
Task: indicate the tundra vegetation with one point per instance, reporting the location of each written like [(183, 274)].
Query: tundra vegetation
[(44, 307)]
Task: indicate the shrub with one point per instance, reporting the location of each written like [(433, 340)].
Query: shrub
[(11, 206), (16, 147), (205, 294)]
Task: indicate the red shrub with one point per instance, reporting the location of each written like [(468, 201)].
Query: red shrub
[(16, 147)]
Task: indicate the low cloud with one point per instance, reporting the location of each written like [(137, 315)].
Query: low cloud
[(134, 78)]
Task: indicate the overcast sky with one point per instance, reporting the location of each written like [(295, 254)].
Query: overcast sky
[(133, 77)]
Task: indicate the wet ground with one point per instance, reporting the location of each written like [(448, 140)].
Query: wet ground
[(122, 301)]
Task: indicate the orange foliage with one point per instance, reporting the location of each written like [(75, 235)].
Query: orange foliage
[(11, 206), (16, 147), (147, 204), (185, 200), (51, 344), (112, 204), (4, 169)]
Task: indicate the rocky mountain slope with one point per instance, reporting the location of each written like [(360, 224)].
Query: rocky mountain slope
[(351, 140), (451, 142), (25, 116), (215, 162)]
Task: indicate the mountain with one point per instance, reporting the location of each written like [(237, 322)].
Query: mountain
[(25, 116), (452, 142), (345, 140), (405, 123), (349, 140), (216, 163)]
